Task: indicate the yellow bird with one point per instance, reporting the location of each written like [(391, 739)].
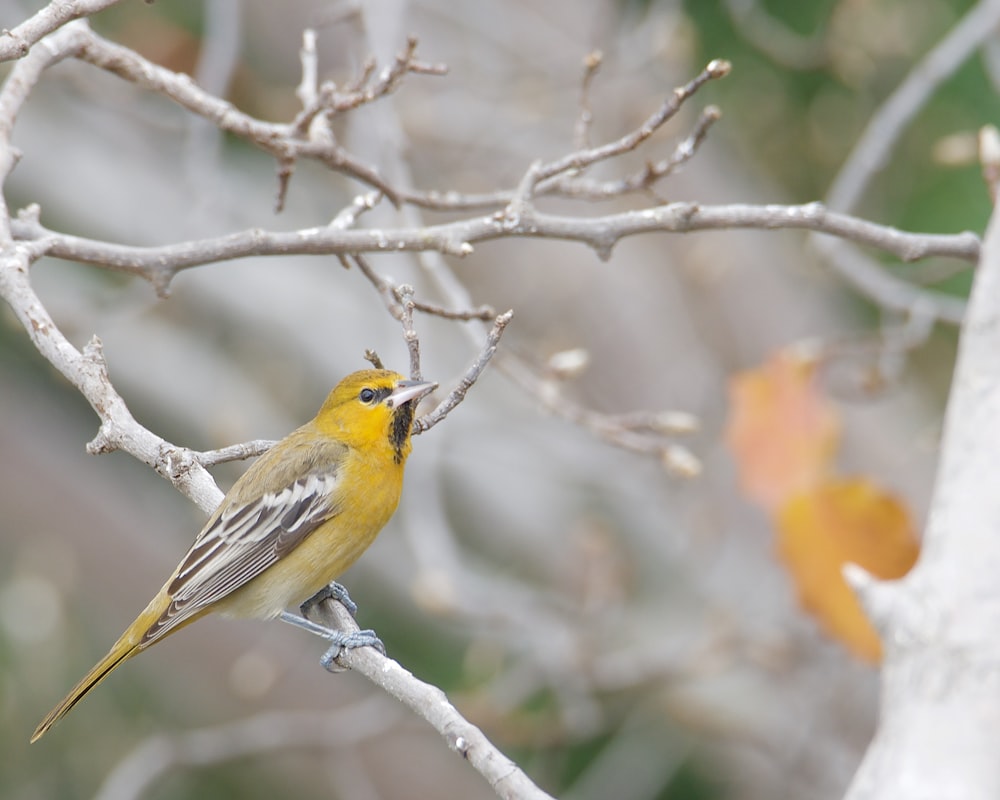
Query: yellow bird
[(297, 518)]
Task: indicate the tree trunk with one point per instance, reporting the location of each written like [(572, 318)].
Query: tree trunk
[(939, 730)]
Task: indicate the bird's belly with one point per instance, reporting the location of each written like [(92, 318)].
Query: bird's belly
[(298, 576), (324, 554)]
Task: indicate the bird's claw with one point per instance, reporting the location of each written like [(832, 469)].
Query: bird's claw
[(333, 591), (340, 641)]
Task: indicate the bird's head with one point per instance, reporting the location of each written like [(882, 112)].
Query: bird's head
[(373, 407)]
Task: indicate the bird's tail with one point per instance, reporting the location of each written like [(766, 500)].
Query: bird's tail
[(126, 647)]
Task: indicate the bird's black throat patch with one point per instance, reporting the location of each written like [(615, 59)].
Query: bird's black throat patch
[(399, 429)]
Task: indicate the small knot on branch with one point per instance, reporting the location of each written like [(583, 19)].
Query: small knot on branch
[(102, 443), (93, 352), (459, 744), (161, 279), (31, 214), (175, 463)]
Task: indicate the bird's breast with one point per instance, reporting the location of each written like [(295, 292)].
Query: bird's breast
[(367, 494)]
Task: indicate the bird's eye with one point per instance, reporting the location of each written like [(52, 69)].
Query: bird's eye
[(367, 395)]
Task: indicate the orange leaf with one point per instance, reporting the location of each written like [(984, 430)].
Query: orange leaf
[(782, 431), (839, 521)]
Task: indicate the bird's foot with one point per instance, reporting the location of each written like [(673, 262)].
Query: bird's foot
[(340, 641), (333, 591)]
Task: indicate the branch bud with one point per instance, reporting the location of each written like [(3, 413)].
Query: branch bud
[(718, 68), (681, 462), (569, 364)]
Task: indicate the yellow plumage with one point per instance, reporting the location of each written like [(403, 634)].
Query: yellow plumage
[(297, 519)]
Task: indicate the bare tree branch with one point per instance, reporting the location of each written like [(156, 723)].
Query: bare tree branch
[(17, 42), (872, 149), (580, 188), (159, 264), (641, 432), (630, 141), (519, 220), (284, 141), (581, 131), (428, 421), (404, 294), (14, 94), (88, 372), (429, 702), (234, 452), (482, 313), (322, 102)]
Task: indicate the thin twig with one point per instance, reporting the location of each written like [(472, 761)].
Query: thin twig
[(573, 185), (280, 140), (428, 421), (385, 287), (404, 296), (630, 141), (360, 91), (581, 131), (307, 93), (357, 83), (483, 313), (348, 216), (581, 188), (872, 149), (400, 304), (392, 297), (641, 432), (233, 452), (308, 86), (570, 165), (388, 81)]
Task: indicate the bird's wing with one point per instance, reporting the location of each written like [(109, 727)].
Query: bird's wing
[(243, 541)]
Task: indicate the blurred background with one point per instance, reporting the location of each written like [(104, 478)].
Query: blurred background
[(614, 629)]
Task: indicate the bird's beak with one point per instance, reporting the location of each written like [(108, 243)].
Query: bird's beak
[(409, 390)]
